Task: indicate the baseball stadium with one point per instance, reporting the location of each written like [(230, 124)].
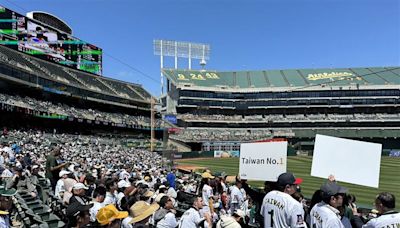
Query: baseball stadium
[(216, 111), (74, 139)]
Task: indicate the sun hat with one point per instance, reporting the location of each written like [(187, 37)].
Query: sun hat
[(207, 175), (110, 213), (141, 210)]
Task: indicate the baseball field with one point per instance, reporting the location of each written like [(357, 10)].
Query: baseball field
[(301, 167)]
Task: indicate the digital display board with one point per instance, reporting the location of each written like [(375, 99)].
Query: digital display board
[(38, 39)]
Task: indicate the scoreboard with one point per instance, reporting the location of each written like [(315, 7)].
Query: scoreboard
[(43, 41)]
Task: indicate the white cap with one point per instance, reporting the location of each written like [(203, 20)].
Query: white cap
[(63, 172), (239, 213), (79, 186), (35, 166), (162, 186), (123, 184), (159, 196)]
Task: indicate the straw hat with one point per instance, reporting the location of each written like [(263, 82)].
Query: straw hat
[(141, 210), (207, 175), (110, 213)]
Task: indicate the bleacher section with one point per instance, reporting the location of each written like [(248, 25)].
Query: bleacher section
[(73, 77)]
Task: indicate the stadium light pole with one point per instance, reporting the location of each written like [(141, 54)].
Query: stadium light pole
[(178, 49)]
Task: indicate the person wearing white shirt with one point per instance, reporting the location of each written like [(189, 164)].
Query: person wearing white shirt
[(99, 195), (279, 208), (236, 196), (385, 203), (60, 189), (325, 213), (111, 187), (192, 219), (165, 216)]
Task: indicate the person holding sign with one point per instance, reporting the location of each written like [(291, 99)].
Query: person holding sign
[(279, 208), (325, 214)]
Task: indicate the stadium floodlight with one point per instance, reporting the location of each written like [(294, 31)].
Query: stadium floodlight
[(179, 49)]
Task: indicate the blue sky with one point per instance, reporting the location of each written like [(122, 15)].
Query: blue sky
[(243, 34)]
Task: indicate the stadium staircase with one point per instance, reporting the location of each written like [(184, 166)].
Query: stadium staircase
[(180, 146), (42, 211), (140, 95), (108, 86), (44, 70), (75, 77)]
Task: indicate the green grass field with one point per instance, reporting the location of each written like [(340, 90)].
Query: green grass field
[(301, 167)]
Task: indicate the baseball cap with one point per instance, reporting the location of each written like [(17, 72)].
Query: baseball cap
[(123, 184), (288, 178), (162, 186), (110, 213), (79, 186), (332, 188), (63, 172), (75, 208)]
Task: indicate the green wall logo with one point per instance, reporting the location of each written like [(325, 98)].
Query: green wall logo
[(319, 76)]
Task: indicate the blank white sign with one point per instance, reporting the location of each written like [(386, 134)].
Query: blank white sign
[(350, 161), (262, 161)]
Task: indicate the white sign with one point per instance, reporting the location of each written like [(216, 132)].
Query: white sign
[(262, 161), (348, 160)]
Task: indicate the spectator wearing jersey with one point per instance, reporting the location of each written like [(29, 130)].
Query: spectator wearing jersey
[(206, 193), (237, 198), (325, 214), (192, 219), (279, 208), (385, 203)]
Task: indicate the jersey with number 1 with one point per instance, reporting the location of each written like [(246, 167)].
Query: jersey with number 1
[(282, 210)]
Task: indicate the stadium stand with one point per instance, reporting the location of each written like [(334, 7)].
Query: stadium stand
[(297, 101)]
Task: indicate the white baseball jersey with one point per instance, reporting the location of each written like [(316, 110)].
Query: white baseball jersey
[(207, 192), (389, 219), (191, 219), (281, 210), (323, 215)]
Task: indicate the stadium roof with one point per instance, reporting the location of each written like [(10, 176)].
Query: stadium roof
[(288, 79)]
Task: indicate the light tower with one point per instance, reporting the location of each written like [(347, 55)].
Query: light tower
[(179, 49)]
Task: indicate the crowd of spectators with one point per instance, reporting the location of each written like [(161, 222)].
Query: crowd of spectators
[(221, 134), (69, 111), (98, 182), (290, 117)]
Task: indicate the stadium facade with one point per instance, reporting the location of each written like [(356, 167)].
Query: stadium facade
[(294, 104), (52, 80)]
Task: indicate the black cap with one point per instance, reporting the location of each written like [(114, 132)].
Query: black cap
[(75, 208), (288, 178), (331, 189)]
